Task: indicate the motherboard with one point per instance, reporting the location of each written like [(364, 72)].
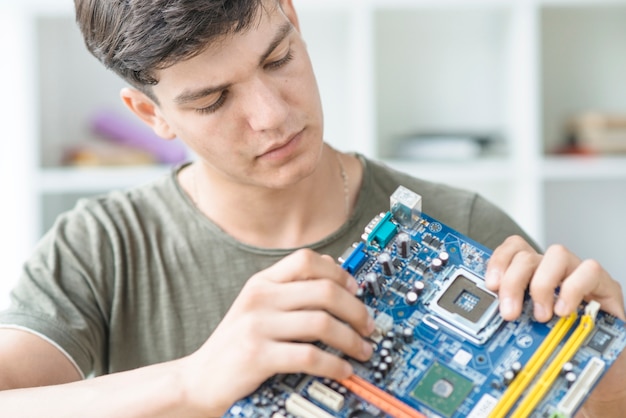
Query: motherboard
[(441, 349)]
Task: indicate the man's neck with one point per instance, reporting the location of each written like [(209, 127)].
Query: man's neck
[(292, 217)]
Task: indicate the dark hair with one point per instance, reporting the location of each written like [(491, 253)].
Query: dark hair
[(134, 38)]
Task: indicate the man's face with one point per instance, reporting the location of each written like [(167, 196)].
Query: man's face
[(249, 105)]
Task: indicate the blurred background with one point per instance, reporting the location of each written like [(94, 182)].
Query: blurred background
[(522, 101)]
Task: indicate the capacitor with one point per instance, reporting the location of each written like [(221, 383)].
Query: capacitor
[(390, 335), (386, 263), (372, 283), (388, 360), (411, 297), (567, 367), (407, 335), (570, 378), (378, 377), (383, 368), (384, 352), (436, 264), (444, 257), (418, 286), (404, 244), (516, 367), (508, 377), (388, 344)]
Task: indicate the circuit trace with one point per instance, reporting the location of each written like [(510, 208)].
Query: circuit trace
[(441, 349)]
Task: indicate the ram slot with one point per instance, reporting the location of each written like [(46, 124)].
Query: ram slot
[(528, 373), (379, 398), (543, 385)]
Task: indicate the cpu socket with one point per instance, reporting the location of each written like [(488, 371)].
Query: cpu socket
[(466, 306)]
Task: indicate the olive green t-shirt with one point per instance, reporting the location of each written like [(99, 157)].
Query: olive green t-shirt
[(141, 276)]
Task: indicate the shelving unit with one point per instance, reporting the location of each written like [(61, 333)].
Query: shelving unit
[(517, 69)]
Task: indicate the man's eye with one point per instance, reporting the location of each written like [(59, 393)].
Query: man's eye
[(215, 105), (277, 64)]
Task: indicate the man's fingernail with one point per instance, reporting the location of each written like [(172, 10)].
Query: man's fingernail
[(367, 349), (508, 307), (560, 308), (541, 312), (492, 278)]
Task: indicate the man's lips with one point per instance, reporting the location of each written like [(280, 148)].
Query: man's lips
[(283, 147)]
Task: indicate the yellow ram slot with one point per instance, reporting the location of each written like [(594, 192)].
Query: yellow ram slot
[(578, 337), (528, 373)]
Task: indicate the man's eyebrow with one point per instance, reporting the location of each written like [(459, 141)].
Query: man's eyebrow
[(282, 33), (192, 95)]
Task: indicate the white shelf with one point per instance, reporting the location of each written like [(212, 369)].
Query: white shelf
[(596, 168), (72, 180), (515, 68)]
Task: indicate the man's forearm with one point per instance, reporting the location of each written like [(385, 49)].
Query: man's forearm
[(153, 391)]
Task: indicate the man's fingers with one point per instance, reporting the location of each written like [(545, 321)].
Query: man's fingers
[(502, 258), (293, 357), (310, 326), (553, 269), (326, 295), (306, 264), (590, 281)]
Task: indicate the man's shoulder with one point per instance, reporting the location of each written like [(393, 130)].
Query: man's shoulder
[(155, 199)]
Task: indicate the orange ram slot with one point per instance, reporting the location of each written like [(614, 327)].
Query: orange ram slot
[(379, 398)]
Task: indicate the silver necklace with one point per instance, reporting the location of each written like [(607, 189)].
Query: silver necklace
[(346, 187)]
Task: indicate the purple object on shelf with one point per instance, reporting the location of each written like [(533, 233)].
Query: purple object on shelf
[(124, 131)]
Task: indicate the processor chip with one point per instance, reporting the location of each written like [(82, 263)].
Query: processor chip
[(442, 389), (600, 340)]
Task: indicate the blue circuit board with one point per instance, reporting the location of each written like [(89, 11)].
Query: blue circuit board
[(441, 347)]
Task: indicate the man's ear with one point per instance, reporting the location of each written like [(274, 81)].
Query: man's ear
[(145, 108)]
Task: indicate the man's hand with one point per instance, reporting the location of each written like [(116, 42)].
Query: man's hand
[(269, 329), (515, 266)]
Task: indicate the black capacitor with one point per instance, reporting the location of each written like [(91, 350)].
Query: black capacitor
[(567, 367), (407, 335), (390, 335), (507, 377), (436, 264), (388, 344), (404, 244), (384, 352), (388, 360), (418, 286), (411, 297), (383, 368), (570, 378), (386, 263), (378, 377), (444, 257), (516, 367), (373, 285)]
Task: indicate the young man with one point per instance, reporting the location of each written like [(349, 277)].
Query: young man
[(182, 296)]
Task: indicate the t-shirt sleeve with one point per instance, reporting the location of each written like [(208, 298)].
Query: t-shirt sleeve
[(62, 295)]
